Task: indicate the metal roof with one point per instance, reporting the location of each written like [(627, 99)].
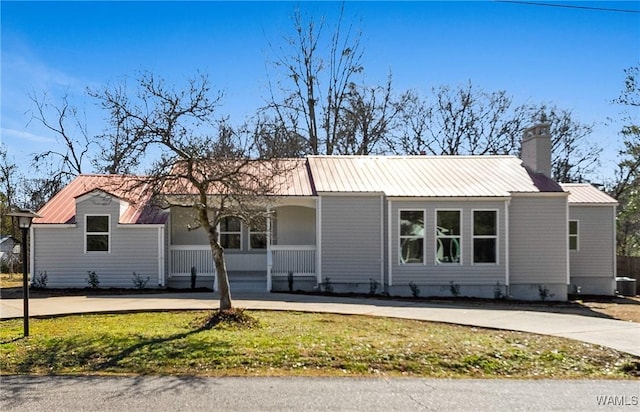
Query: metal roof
[(61, 209), (585, 193), (427, 176)]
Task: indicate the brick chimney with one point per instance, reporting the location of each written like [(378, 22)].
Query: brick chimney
[(536, 149)]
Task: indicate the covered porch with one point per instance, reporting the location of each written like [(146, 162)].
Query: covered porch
[(287, 260)]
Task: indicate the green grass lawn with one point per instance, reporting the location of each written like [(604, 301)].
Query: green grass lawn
[(291, 343)]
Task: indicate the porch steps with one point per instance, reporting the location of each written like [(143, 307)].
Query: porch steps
[(248, 281)]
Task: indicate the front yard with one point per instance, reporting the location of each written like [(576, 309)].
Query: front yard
[(292, 343)]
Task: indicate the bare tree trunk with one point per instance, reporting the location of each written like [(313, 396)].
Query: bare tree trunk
[(221, 273)]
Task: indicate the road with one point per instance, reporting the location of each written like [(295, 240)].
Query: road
[(131, 394)]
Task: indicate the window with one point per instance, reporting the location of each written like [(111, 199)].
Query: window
[(485, 236), (448, 236), (231, 233), (97, 233), (573, 235), (411, 236), (258, 234)]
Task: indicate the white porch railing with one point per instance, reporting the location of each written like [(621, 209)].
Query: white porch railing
[(183, 258), (301, 259)]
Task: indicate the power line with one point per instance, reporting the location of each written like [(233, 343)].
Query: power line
[(568, 6)]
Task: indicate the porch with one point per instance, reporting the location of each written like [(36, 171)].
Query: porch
[(247, 272)]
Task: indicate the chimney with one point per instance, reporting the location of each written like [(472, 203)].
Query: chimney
[(536, 149)]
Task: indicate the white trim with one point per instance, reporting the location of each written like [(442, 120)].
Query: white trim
[(319, 240), (350, 194), (433, 199), (496, 237), (109, 234), (269, 248), (424, 237), (540, 194), (32, 255), (139, 226), (566, 240), (615, 251), (507, 203), (220, 233), (577, 234), (54, 225), (435, 236), (390, 241), (161, 257), (382, 241), (265, 233), (293, 247)]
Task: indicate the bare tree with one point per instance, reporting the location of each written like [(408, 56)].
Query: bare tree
[(460, 121), (315, 86), (368, 118), (9, 178), (205, 164), (69, 130), (626, 188)]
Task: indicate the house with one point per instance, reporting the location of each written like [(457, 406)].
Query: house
[(483, 226)]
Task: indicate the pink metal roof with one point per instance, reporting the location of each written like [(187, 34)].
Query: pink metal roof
[(584, 193), (427, 176), (62, 207)]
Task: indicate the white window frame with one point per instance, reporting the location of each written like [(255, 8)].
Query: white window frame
[(576, 235), (423, 237), (474, 237), (107, 233), (221, 232), (436, 237), (265, 233)]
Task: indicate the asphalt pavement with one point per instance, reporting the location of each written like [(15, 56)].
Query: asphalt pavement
[(148, 393), (616, 334)]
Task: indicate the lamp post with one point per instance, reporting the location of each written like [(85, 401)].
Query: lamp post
[(24, 218)]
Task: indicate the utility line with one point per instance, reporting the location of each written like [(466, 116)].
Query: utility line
[(568, 6)]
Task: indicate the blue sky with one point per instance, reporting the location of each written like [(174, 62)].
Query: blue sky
[(573, 58)]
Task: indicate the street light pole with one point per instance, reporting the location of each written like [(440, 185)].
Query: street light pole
[(24, 218), (25, 282)]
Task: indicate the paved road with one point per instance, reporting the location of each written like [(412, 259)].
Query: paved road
[(19, 393), (623, 336)]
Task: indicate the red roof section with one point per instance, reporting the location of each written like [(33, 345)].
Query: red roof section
[(61, 209)]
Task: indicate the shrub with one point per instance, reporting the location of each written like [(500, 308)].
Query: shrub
[(415, 290), (92, 279), (327, 286), (454, 288), (373, 286), (544, 293), (138, 281), (39, 281)]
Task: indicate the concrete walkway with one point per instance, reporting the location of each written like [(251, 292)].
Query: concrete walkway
[(619, 335)]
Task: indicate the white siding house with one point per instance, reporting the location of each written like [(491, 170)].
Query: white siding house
[(484, 226)]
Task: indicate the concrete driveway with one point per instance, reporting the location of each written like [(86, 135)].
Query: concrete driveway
[(615, 334)]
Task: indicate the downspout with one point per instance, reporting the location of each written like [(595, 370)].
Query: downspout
[(382, 241), (615, 259), (161, 256), (269, 253), (32, 246), (389, 243), (506, 245), (319, 240), (566, 240)]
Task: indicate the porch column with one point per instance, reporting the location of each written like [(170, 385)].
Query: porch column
[(269, 253)]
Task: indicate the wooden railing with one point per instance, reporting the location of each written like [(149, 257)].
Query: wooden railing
[(183, 258), (299, 260)]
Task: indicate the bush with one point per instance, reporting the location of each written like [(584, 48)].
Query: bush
[(138, 281), (92, 279), (40, 280)]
